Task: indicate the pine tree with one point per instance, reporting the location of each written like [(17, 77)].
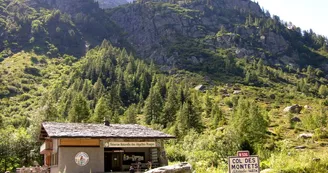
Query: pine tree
[(249, 121), (115, 118), (207, 104), (98, 88), (144, 81), (50, 111), (189, 118), (114, 99), (79, 110), (171, 105), (153, 105), (217, 116), (87, 87), (182, 121), (248, 77), (260, 66), (131, 115), (102, 111)]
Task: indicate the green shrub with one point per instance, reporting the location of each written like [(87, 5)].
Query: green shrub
[(228, 102), (320, 133), (175, 153), (325, 102)]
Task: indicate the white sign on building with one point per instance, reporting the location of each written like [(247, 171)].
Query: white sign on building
[(129, 144), (244, 163)]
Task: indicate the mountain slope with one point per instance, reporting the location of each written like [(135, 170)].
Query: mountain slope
[(156, 29), (57, 65)]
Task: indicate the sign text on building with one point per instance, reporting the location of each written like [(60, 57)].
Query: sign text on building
[(129, 144)]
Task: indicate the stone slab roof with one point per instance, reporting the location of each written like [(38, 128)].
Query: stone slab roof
[(83, 130)]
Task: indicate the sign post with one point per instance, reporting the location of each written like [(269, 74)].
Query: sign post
[(244, 163)]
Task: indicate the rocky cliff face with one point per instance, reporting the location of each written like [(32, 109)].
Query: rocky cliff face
[(110, 3), (153, 27), (162, 30), (68, 6), (74, 6)]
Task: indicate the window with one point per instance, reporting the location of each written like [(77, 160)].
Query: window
[(54, 159)]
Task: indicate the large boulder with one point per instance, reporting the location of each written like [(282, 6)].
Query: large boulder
[(295, 120), (306, 135), (178, 168), (200, 88), (296, 109)]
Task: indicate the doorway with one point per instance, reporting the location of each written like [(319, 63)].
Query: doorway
[(113, 161)]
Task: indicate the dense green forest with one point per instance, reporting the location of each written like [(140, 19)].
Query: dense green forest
[(81, 66)]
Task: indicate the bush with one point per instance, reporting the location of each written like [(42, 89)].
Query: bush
[(228, 102), (325, 102), (320, 133), (175, 153)]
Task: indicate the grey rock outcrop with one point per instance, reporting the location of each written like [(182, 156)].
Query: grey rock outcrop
[(110, 3), (200, 88), (295, 119), (152, 31), (293, 109), (236, 92), (71, 6), (301, 147), (178, 168), (155, 30), (306, 135)]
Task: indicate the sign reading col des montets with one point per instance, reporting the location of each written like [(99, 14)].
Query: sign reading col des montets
[(129, 144)]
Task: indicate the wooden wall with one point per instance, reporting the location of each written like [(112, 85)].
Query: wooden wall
[(79, 142)]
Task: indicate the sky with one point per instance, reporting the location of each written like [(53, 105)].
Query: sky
[(306, 14)]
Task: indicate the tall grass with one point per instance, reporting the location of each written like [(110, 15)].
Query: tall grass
[(299, 161)]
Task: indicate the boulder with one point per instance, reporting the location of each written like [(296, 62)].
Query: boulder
[(295, 120), (178, 168), (316, 159), (200, 88), (236, 88), (224, 91), (323, 144), (236, 92), (267, 171), (225, 95), (300, 147), (305, 135), (229, 85), (296, 109), (307, 107)]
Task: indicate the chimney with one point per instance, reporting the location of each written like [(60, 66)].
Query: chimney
[(106, 122)]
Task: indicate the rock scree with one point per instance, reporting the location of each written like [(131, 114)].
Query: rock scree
[(177, 168)]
